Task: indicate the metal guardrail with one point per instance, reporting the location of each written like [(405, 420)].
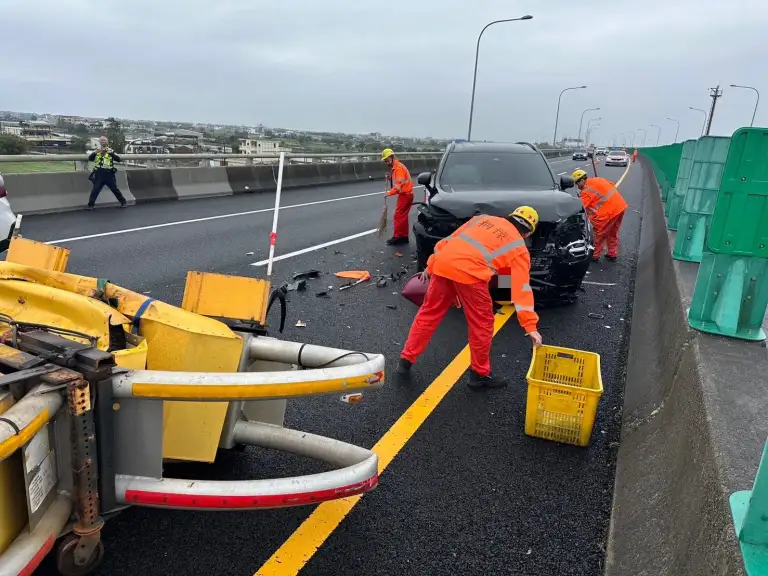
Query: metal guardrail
[(204, 156)]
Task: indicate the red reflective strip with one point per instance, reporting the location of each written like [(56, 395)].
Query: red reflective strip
[(272, 238), (30, 568), (162, 499)]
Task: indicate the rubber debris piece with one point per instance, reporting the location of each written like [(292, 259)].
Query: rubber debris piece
[(307, 274), (299, 286), (322, 294), (391, 306), (354, 274)]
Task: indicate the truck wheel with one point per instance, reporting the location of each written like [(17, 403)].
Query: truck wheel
[(65, 557)]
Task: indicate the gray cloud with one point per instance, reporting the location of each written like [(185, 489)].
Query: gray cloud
[(396, 67)]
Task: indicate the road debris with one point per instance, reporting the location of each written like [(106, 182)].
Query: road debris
[(608, 306), (598, 283), (306, 275), (299, 286), (322, 294), (382, 282), (352, 398), (596, 316), (249, 253), (358, 275), (300, 324), (392, 306), (398, 254)]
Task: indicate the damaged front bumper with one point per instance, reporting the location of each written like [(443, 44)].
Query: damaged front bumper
[(557, 270)]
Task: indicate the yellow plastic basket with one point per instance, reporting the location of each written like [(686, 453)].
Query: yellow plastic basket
[(564, 389)]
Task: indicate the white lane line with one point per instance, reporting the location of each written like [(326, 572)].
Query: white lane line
[(313, 248), (561, 173), (209, 218)]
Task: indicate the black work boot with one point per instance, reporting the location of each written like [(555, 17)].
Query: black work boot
[(404, 367), (611, 258), (490, 381), (89, 208), (392, 241)]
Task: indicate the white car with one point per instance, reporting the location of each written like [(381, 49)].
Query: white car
[(7, 218), (616, 158)]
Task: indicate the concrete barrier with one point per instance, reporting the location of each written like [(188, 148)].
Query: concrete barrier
[(693, 424), (299, 175), (39, 193), (200, 182), (152, 185), (243, 179), (45, 192)]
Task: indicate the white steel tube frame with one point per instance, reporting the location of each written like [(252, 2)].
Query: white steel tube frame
[(273, 235)]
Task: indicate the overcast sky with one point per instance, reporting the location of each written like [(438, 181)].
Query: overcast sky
[(391, 66)]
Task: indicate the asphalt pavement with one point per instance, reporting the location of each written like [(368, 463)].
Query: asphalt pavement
[(469, 493)]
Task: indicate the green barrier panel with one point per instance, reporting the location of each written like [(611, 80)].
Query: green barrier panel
[(670, 166), (749, 509), (675, 201), (699, 202), (731, 293)]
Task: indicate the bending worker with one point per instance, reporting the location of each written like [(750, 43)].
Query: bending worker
[(461, 266), (104, 173), (402, 186), (605, 208)]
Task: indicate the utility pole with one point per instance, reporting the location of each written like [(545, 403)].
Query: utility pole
[(714, 93)]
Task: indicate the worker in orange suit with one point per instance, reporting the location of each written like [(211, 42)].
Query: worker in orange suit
[(605, 208), (461, 266), (402, 187), (634, 155)]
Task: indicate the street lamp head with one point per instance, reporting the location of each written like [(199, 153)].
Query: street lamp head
[(527, 17), (582, 86), (734, 85)]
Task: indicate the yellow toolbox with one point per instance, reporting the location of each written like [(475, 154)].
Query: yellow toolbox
[(564, 389)]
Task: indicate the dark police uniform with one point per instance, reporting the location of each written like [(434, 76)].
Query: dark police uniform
[(104, 175)]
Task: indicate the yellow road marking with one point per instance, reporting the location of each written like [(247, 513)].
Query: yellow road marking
[(300, 546), (626, 171)]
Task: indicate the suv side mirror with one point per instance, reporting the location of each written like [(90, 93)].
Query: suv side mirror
[(424, 178), (566, 182)]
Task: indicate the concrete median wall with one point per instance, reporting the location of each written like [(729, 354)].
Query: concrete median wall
[(693, 424), (39, 193), (200, 182), (47, 192)]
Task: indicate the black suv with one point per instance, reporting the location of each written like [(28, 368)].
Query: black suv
[(495, 178)]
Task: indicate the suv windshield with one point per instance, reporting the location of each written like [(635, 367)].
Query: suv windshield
[(617, 153), (495, 171)]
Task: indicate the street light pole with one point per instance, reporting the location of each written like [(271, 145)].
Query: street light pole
[(557, 114), (586, 134), (581, 122), (677, 131), (658, 134), (590, 127), (752, 123), (477, 55), (645, 133), (704, 125)]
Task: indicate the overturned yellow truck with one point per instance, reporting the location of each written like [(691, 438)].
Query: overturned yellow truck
[(100, 386)]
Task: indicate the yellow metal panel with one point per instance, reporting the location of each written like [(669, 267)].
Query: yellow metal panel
[(28, 302), (226, 296), (37, 254), (176, 340), (135, 356), (13, 504)]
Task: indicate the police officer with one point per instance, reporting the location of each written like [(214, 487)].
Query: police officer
[(104, 173)]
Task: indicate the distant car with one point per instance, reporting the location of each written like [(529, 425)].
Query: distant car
[(580, 155), (601, 151), (616, 158), (494, 179), (7, 218)]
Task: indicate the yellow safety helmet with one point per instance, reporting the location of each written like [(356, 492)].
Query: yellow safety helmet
[(578, 175), (386, 153), (527, 215)]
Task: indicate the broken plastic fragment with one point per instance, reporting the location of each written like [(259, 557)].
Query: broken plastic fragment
[(354, 274), (322, 293), (300, 324), (391, 306), (597, 316), (352, 398), (307, 274), (381, 283)]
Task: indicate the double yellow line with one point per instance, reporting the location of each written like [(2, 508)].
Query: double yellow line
[(297, 550)]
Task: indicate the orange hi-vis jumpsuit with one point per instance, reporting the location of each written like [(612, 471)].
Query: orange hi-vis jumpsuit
[(402, 186), (462, 266), (605, 208)]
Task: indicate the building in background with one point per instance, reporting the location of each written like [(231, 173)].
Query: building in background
[(251, 146)]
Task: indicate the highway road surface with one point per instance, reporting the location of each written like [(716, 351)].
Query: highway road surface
[(466, 492)]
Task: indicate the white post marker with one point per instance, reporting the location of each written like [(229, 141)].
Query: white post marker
[(273, 234)]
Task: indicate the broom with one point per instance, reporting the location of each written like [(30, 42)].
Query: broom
[(383, 220)]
